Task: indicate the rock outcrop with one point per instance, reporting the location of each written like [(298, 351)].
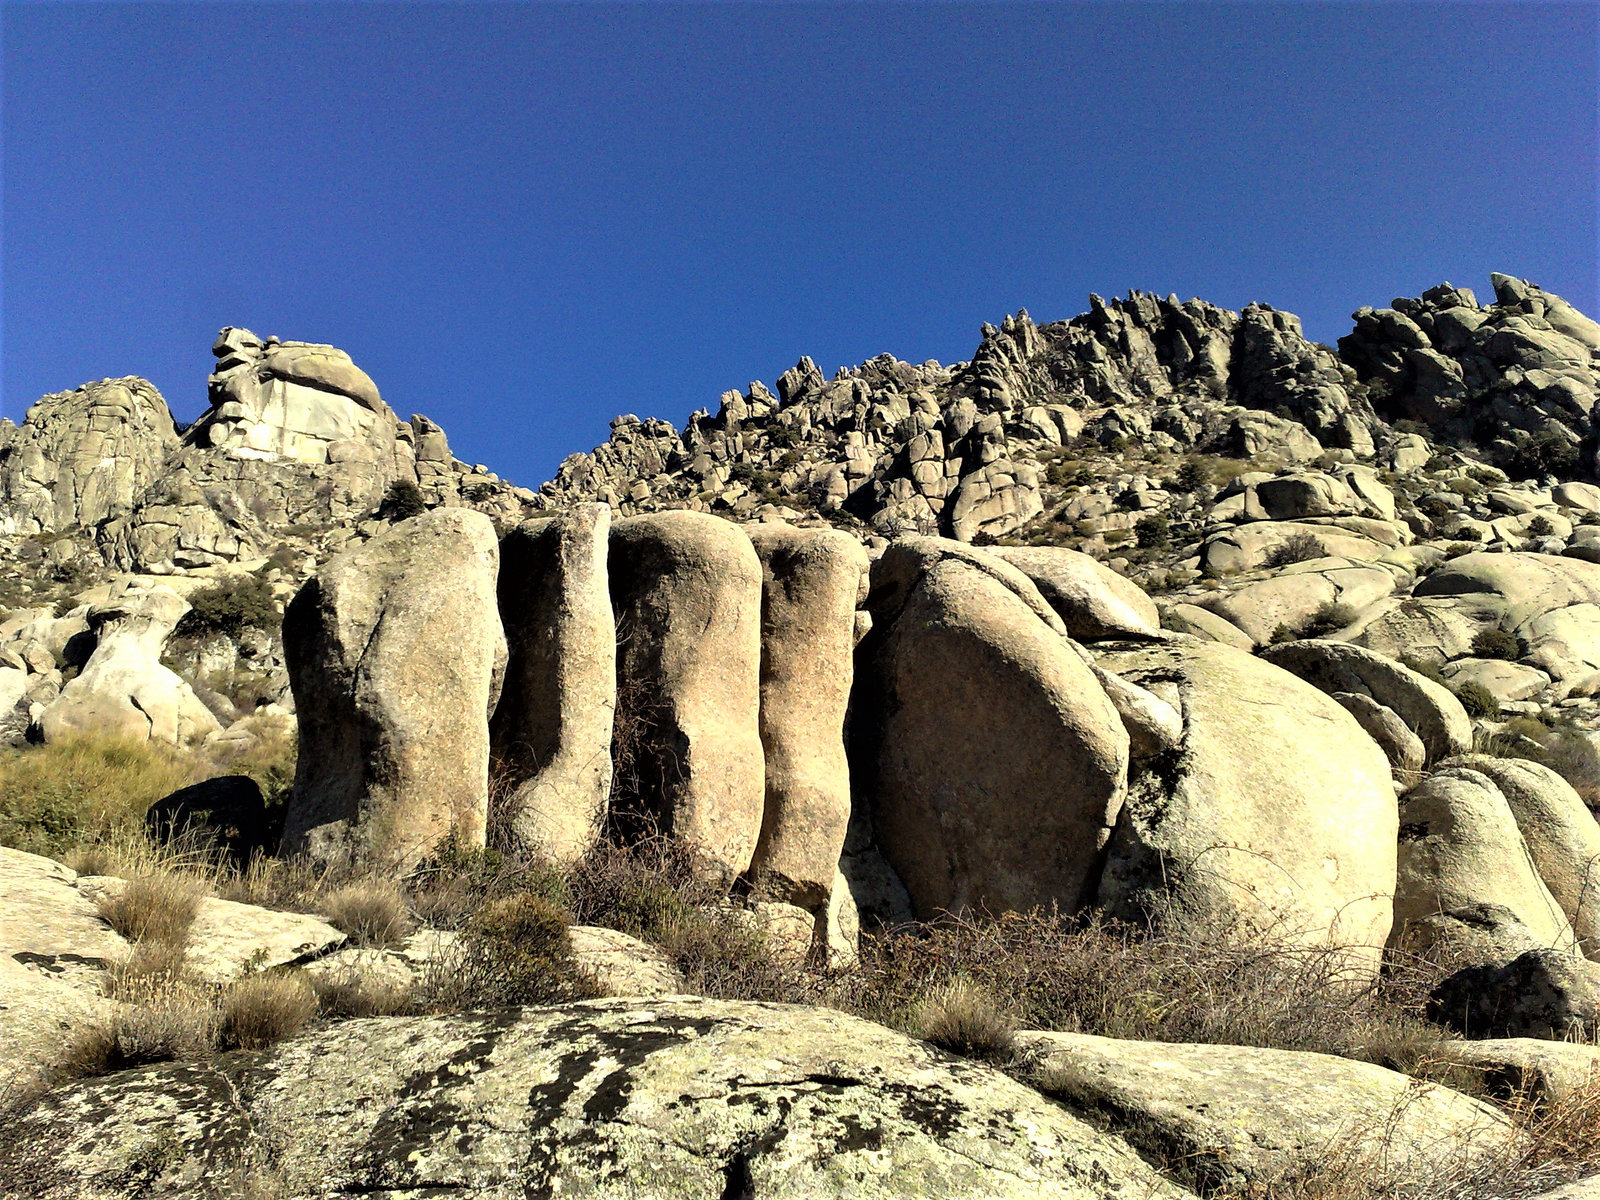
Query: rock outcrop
[(395, 653), (83, 457), (1235, 830), (551, 732)]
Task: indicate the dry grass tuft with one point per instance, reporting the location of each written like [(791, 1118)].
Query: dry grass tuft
[(160, 1017), (64, 794), (153, 908), (372, 911), (358, 995), (514, 951), (261, 1010), (964, 1018)]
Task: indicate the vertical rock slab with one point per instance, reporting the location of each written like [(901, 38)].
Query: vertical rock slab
[(812, 580), (395, 652), (997, 763), (1275, 817), (686, 589), (551, 732)]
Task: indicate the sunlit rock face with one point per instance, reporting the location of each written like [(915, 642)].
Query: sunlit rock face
[(292, 400)]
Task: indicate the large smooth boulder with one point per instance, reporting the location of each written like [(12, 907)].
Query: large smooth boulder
[(1460, 846), (686, 590), (551, 732), (394, 652), (123, 690), (608, 1099), (1403, 748), (1427, 708), (995, 761), (1243, 1118), (812, 580), (1277, 814), (1245, 547), (1560, 832), (1300, 593), (1093, 601), (1519, 1067)]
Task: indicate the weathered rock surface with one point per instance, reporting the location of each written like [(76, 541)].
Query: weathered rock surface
[(395, 653), (84, 456), (621, 965), (686, 589), (1514, 1067), (1404, 749), (551, 731), (1427, 708), (48, 924), (987, 737), (1241, 1117), (1460, 846), (1560, 832), (677, 1098), (1093, 601), (1237, 828), (812, 581)]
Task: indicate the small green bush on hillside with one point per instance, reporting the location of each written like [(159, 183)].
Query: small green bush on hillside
[(232, 605), (1153, 533), (1300, 547), (402, 500), (1495, 643), (1478, 700)]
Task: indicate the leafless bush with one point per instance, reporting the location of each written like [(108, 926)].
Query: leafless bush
[(1297, 548)]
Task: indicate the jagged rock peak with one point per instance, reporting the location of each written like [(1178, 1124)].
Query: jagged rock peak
[(82, 457)]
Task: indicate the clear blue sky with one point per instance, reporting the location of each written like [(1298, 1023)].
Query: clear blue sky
[(522, 219)]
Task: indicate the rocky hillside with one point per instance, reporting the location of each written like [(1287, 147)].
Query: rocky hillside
[(1155, 677)]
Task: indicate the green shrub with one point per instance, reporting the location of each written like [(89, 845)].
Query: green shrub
[(1281, 633), (1496, 643), (1152, 533), (1478, 700), (1298, 548), (229, 606), (401, 500), (1540, 527), (1330, 616), (1544, 454), (1424, 667), (1194, 474), (514, 950)]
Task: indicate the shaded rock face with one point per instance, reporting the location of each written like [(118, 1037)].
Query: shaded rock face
[(395, 654), (680, 1098), (1235, 830), (551, 732), (997, 763), (686, 591), (83, 457), (812, 581), (1524, 365), (1541, 993)]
